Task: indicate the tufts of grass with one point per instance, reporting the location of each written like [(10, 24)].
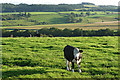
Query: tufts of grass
[(43, 57)]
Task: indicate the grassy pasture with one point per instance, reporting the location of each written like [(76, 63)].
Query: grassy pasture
[(49, 18), (57, 18), (79, 12), (90, 6), (90, 26), (54, 19), (76, 12), (43, 57), (29, 12)]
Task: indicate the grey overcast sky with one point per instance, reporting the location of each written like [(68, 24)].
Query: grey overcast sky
[(97, 2)]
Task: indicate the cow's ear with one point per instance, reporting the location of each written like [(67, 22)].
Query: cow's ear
[(80, 51)]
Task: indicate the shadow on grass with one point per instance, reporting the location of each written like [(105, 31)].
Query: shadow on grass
[(18, 72)]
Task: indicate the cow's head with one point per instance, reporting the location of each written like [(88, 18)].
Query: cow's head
[(78, 57)]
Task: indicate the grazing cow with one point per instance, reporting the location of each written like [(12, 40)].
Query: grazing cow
[(73, 55)]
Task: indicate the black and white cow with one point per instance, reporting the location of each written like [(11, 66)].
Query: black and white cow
[(72, 55)]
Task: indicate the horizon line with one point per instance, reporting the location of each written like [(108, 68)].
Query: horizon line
[(56, 3)]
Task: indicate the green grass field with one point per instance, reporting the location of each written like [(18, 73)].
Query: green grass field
[(91, 26), (29, 12), (58, 18), (49, 18), (43, 57)]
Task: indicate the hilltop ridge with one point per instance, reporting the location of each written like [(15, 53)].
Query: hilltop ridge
[(9, 7)]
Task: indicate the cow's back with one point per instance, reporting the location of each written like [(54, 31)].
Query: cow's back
[(68, 53)]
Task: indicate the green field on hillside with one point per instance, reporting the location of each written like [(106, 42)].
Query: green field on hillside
[(49, 18), (57, 18), (90, 6), (5, 13), (89, 26), (43, 57)]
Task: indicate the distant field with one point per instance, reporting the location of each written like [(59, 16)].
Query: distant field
[(90, 6), (36, 57), (98, 12), (29, 12), (93, 26), (58, 19), (78, 12), (49, 18)]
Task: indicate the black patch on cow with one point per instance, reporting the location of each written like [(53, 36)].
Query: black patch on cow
[(69, 52)]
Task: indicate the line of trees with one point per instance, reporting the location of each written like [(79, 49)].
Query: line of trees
[(8, 7), (21, 15), (37, 7), (75, 18), (55, 32), (71, 18)]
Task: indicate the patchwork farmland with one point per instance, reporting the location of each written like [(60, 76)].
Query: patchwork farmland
[(38, 56), (58, 20)]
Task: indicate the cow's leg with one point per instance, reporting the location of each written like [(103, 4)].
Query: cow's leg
[(67, 64), (72, 66), (79, 68)]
